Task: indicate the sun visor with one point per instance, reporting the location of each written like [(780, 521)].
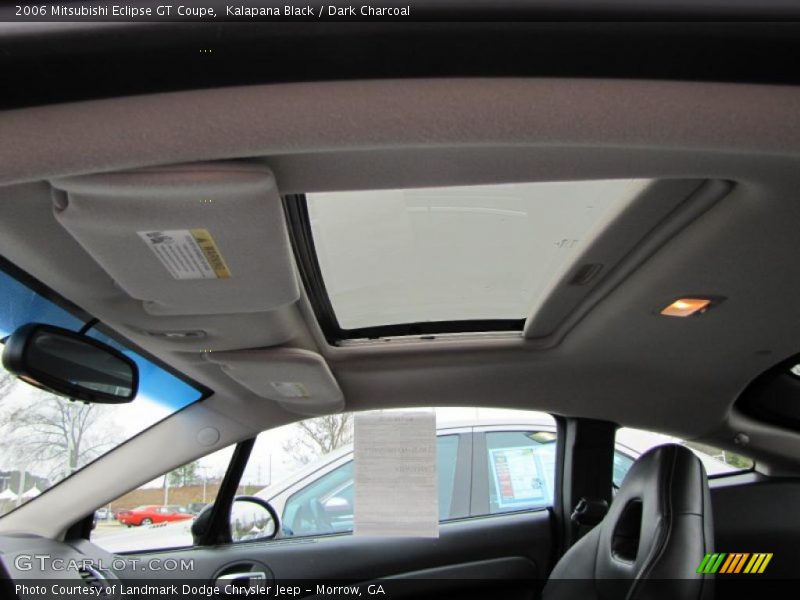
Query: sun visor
[(299, 380), (185, 240)]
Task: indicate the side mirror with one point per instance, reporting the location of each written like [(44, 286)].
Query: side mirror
[(253, 519), (337, 506), (200, 525), (70, 364)]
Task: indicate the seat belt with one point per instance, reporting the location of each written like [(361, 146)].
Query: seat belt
[(588, 512), (588, 465)]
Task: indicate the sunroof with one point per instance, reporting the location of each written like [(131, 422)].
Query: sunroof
[(456, 255)]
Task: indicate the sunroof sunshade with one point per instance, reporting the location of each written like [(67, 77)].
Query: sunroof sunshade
[(477, 253)]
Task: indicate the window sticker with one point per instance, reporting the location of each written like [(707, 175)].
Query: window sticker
[(519, 476), (395, 474)]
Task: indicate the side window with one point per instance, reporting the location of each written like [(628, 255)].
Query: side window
[(324, 503), (446, 462), (622, 462), (305, 471), (323, 506), (159, 514), (632, 443), (521, 470)]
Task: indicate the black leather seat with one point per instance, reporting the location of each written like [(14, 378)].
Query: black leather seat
[(652, 540)]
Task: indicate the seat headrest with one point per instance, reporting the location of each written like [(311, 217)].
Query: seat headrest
[(654, 536), (665, 489)]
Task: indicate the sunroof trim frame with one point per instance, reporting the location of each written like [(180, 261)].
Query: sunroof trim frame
[(692, 197)]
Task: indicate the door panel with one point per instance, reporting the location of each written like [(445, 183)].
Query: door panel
[(513, 551)]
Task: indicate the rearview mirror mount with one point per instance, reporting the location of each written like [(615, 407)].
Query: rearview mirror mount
[(70, 364)]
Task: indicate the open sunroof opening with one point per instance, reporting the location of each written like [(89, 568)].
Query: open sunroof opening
[(448, 259)]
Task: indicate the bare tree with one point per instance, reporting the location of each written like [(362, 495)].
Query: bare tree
[(185, 475), (57, 434), (7, 383), (317, 437)]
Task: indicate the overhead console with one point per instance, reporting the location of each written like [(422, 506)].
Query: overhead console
[(202, 239)]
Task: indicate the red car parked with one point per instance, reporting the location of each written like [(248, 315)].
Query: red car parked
[(149, 514)]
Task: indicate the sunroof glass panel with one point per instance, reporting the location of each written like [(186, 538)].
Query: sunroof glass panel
[(392, 257)]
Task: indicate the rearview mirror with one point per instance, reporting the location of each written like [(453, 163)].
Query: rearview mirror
[(70, 364)]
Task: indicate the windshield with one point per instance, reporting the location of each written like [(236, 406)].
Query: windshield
[(45, 438)]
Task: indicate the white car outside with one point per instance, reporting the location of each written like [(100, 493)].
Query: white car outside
[(329, 508)]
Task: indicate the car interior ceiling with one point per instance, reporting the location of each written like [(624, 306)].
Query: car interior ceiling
[(79, 165), (609, 339)]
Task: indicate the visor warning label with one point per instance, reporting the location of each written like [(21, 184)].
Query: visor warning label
[(187, 253)]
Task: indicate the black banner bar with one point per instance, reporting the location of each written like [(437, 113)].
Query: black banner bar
[(397, 10), (742, 586)]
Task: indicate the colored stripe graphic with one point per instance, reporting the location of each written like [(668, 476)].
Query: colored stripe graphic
[(767, 558), (736, 558), (740, 564), (754, 562), (718, 563), (727, 564), (734, 562), (711, 563), (702, 567)]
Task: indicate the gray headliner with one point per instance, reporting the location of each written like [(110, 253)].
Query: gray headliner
[(621, 362)]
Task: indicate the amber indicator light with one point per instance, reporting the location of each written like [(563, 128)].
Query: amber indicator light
[(686, 307)]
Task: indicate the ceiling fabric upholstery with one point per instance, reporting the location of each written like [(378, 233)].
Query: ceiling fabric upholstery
[(621, 361)]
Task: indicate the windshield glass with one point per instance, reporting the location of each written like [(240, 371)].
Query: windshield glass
[(45, 438)]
